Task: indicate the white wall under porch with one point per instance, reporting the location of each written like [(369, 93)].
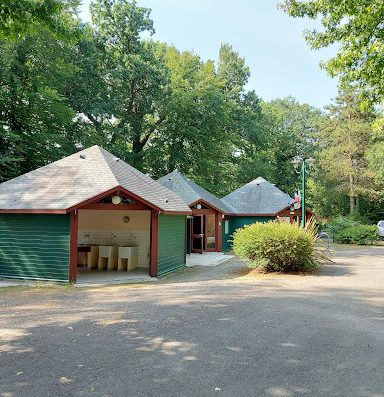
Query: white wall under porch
[(107, 227)]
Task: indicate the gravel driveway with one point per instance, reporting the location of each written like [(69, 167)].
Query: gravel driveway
[(206, 332)]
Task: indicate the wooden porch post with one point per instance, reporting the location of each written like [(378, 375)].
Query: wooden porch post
[(154, 243), (73, 231), (219, 235)]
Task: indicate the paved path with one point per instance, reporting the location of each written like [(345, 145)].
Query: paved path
[(206, 332)]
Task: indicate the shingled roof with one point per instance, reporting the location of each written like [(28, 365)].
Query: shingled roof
[(79, 177), (191, 192), (258, 197)]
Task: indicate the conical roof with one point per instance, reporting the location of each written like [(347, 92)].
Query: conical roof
[(191, 192), (79, 177), (258, 197)]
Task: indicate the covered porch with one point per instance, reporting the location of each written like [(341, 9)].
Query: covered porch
[(113, 237), (204, 226)]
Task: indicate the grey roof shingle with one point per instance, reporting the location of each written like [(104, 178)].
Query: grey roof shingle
[(258, 197), (191, 192), (74, 179)]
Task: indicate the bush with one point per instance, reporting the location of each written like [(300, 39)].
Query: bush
[(359, 234), (347, 230), (275, 246)]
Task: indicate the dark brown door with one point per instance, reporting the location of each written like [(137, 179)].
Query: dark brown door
[(198, 234)]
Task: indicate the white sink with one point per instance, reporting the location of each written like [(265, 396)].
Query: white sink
[(127, 252), (107, 251)]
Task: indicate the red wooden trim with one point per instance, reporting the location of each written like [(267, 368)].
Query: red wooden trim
[(73, 230), (92, 199), (205, 203), (185, 241), (139, 199), (203, 211), (25, 211), (176, 212), (117, 189), (218, 227), (153, 256), (201, 236), (307, 210), (113, 207)]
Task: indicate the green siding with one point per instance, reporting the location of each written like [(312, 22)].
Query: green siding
[(171, 254), (34, 246), (237, 222)]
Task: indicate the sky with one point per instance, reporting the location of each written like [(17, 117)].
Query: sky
[(271, 42)]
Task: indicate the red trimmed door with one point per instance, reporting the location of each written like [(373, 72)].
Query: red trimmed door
[(210, 232), (198, 234)]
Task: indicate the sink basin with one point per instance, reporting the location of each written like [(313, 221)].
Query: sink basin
[(127, 252), (107, 251)]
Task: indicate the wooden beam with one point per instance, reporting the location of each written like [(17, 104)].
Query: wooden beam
[(73, 231), (218, 228), (176, 212), (115, 190), (113, 207), (203, 211), (185, 240), (201, 201), (25, 211), (154, 245)]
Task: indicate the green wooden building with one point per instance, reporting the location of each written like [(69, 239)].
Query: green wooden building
[(204, 225), (89, 210), (257, 201)]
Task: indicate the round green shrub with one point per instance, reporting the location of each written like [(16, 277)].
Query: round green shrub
[(347, 230), (359, 234), (275, 247)]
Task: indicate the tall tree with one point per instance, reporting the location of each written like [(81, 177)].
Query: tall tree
[(22, 17), (134, 78), (36, 121), (193, 138), (289, 130), (357, 28), (345, 141), (244, 122)]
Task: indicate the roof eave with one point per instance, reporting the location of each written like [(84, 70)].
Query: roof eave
[(32, 211), (116, 189), (251, 214), (285, 208), (209, 205), (169, 212)]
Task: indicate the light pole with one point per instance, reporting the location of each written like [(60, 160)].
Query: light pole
[(304, 171)]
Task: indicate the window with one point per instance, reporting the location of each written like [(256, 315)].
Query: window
[(226, 227)]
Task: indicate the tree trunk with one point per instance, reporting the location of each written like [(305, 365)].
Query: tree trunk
[(352, 204)]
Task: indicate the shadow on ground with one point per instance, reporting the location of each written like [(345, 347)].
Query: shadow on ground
[(170, 341), (320, 335)]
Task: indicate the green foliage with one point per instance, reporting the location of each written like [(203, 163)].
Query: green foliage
[(356, 26), (352, 230), (23, 17), (209, 116), (275, 246), (292, 129), (36, 121), (134, 79), (159, 109), (346, 180)]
